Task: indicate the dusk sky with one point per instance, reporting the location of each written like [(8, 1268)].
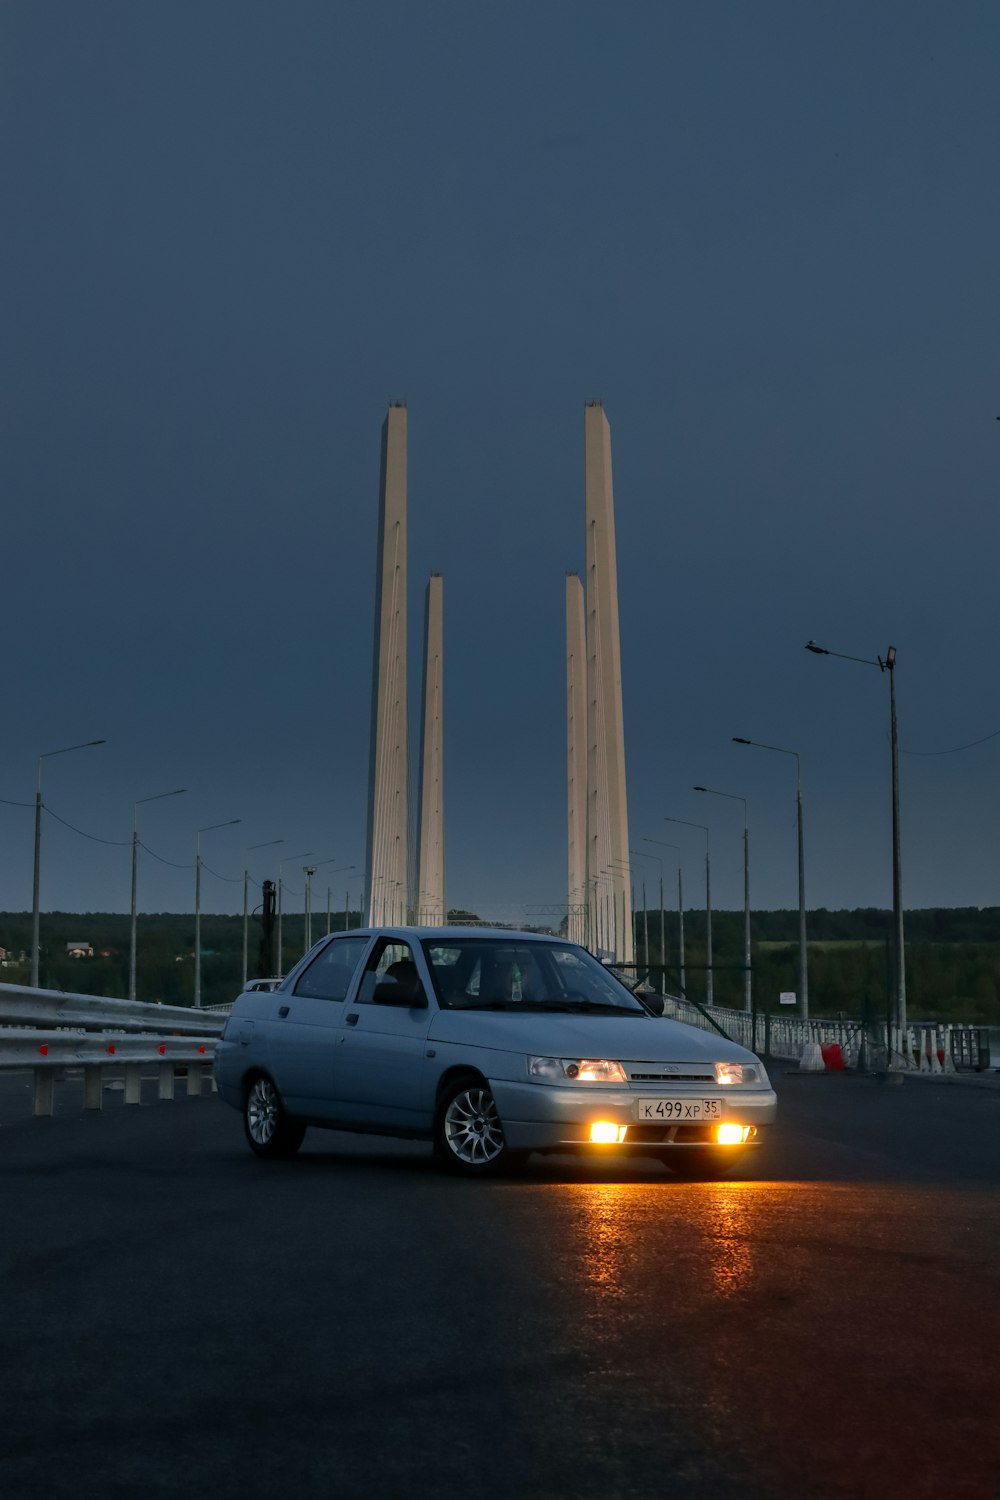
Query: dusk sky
[(767, 237)]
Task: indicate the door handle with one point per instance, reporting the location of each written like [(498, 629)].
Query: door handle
[(351, 1018), (282, 1010)]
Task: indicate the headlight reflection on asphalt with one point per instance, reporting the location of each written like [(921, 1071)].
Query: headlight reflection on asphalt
[(726, 1220)]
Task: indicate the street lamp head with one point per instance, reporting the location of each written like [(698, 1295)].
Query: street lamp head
[(817, 650), (85, 745), (738, 741), (158, 796), (699, 789), (890, 657)]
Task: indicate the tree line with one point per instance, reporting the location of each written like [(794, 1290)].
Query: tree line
[(952, 956), (952, 960)]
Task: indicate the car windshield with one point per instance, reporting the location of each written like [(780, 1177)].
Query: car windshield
[(478, 973)]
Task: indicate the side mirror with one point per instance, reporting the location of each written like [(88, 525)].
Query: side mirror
[(655, 1004), (391, 992)]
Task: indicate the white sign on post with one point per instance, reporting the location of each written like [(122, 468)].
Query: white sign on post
[(787, 997)]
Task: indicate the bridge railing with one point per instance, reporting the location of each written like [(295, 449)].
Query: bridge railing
[(102, 1038), (925, 1047)]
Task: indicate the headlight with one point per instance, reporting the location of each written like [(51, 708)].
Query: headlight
[(738, 1073), (576, 1069)]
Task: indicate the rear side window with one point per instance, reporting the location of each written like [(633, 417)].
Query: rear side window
[(329, 975)]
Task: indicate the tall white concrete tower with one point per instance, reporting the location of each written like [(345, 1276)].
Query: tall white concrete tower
[(387, 896), (576, 758), (608, 883), (429, 903)]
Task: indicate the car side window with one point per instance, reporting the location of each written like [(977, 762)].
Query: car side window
[(392, 962), (329, 975)]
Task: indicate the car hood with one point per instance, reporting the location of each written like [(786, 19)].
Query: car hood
[(548, 1034)]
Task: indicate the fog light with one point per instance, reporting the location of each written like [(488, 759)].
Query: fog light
[(607, 1133), (731, 1135)]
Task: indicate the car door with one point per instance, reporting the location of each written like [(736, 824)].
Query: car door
[(307, 1027), (384, 1078)]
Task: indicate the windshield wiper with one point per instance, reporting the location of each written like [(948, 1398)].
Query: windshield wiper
[(564, 1007), (606, 1006), (547, 1005)]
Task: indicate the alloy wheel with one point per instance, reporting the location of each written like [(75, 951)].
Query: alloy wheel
[(472, 1127), (262, 1111)]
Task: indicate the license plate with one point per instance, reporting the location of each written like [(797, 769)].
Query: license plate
[(681, 1110)]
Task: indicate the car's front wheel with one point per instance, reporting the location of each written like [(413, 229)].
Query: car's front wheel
[(269, 1131), (468, 1135)]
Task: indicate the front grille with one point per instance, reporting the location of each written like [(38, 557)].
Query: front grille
[(672, 1077), (662, 1135), (676, 1135)]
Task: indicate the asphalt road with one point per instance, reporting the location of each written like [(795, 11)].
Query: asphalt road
[(177, 1318)]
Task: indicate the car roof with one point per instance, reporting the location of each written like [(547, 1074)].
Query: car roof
[(451, 933)]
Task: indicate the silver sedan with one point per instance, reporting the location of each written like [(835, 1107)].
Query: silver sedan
[(490, 1043)]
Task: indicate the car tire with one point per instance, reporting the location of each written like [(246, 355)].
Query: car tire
[(706, 1165), (468, 1132), (269, 1131)]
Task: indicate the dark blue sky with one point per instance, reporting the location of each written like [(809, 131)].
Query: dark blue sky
[(766, 236)]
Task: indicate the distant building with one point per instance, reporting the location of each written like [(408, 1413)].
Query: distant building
[(79, 950)]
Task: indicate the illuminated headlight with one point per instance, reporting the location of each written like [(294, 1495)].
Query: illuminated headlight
[(731, 1135), (607, 1133), (738, 1073), (576, 1069)]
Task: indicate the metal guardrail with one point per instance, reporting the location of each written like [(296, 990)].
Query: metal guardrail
[(20, 1004), (921, 1047), (48, 1031)]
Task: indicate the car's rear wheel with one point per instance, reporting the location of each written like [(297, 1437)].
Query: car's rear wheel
[(468, 1134), (702, 1164), (269, 1131)]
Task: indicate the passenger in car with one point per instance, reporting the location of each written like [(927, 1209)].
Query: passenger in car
[(404, 972), (512, 979)]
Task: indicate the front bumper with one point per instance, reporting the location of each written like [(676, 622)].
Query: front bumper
[(540, 1117)]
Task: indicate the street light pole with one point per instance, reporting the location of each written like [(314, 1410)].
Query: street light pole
[(680, 910), (641, 854), (898, 943), (680, 913), (803, 945), (268, 844), (135, 880), (747, 999), (623, 869), (36, 884), (897, 875), (709, 989), (281, 864), (229, 823), (309, 871)]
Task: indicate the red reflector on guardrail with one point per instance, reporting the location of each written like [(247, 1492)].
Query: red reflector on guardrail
[(161, 1049), (44, 1049), (201, 1049), (111, 1047)]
